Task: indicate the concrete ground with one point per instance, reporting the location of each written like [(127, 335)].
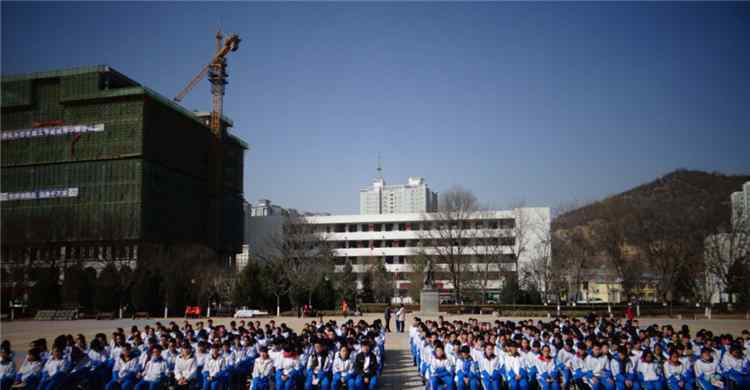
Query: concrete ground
[(397, 374)]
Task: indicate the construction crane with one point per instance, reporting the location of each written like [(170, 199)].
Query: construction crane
[(217, 76)]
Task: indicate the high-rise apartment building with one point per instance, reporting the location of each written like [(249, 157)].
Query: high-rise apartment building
[(413, 197)]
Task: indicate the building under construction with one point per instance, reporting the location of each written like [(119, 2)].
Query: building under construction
[(98, 167)]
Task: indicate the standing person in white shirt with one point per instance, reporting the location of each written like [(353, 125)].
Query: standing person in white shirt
[(401, 318), (185, 368)]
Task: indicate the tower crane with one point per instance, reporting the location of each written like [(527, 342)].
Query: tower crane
[(217, 76)]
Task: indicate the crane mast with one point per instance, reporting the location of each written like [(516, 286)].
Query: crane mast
[(217, 76)]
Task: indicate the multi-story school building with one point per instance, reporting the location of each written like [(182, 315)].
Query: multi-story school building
[(491, 243)]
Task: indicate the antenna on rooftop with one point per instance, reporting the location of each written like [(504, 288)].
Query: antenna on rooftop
[(380, 168)]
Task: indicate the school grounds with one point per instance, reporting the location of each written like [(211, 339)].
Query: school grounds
[(397, 374)]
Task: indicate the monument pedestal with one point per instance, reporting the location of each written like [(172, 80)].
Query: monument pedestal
[(429, 301)]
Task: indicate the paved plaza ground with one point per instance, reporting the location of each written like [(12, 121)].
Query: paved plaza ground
[(398, 373)]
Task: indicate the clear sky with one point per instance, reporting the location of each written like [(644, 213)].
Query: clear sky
[(537, 102)]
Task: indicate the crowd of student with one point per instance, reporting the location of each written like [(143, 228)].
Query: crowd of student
[(592, 353), (322, 355)]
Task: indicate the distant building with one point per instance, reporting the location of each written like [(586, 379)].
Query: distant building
[(721, 248), (741, 207), (413, 197), (262, 220), (399, 239), (264, 208)]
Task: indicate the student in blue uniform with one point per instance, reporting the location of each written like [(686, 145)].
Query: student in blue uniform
[(441, 370), (262, 371), (7, 368), (467, 371), (319, 365), (125, 371), (366, 366), (343, 370), (155, 371)]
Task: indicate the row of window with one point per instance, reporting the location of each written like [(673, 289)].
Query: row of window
[(505, 258), (466, 242), (505, 223)]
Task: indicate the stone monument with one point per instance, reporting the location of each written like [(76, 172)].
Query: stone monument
[(429, 298)]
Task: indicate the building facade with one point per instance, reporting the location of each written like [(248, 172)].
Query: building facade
[(413, 197), (741, 207), (720, 249), (96, 167), (262, 220), (494, 243)]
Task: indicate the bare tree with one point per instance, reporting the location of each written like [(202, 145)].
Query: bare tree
[(610, 236), (446, 237), (670, 242), (382, 281), (296, 259), (571, 252)]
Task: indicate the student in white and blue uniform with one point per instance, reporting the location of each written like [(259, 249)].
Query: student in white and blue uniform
[(441, 370)]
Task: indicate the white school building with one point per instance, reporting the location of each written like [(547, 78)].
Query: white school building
[(491, 241)]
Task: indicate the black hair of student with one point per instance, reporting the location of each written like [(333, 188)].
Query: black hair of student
[(5, 345), (35, 354), (96, 344)]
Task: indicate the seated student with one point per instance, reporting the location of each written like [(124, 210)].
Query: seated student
[(31, 371), (7, 368), (595, 365), (562, 359), (262, 371), (286, 368), (185, 368), (99, 363), (489, 368), (154, 372), (649, 372), (578, 366), (623, 371), (80, 369), (467, 370), (343, 370), (318, 366), (735, 367), (213, 369), (201, 356), (548, 377), (514, 368), (230, 364), (54, 371), (674, 373), (125, 371), (707, 371), (441, 370), (365, 366), (246, 355)]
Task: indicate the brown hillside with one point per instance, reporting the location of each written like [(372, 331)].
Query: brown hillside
[(682, 188)]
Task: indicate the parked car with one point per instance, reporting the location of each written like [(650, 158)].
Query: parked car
[(249, 313), (591, 301)]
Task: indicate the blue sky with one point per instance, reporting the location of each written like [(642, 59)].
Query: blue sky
[(544, 103)]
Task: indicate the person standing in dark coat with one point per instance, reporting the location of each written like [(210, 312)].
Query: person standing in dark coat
[(387, 316)]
